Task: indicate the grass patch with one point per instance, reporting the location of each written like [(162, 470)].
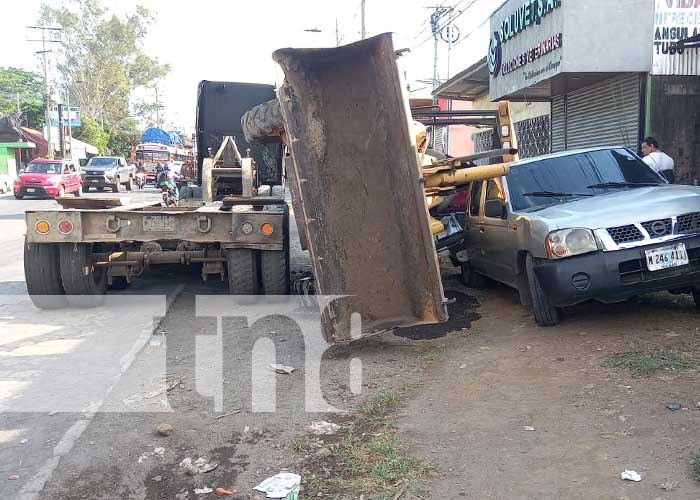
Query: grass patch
[(647, 363), (695, 466), (367, 458)]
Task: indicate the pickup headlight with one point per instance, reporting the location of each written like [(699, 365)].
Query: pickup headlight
[(569, 242)]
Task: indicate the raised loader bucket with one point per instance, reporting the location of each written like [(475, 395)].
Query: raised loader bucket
[(358, 179)]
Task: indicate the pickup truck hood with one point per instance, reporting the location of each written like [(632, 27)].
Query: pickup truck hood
[(623, 207)]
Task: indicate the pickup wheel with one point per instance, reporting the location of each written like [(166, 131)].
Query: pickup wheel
[(545, 312), (116, 187), (242, 271), (42, 272), (471, 278), (129, 184), (84, 284)]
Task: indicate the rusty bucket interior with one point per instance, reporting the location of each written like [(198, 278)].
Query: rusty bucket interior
[(357, 178)]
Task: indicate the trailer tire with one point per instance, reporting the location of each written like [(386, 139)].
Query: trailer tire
[(84, 284), (42, 272), (119, 283), (274, 264), (546, 314), (242, 271), (262, 121)]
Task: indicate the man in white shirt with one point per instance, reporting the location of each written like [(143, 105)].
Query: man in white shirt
[(658, 160)]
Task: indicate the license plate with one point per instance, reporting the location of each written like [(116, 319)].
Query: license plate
[(94, 181), (31, 190), (666, 257), (158, 223)]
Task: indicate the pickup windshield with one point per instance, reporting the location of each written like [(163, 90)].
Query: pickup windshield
[(577, 175), (103, 162)]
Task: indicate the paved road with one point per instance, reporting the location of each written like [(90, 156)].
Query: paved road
[(57, 367)]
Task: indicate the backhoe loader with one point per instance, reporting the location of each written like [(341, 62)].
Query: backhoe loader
[(361, 198)]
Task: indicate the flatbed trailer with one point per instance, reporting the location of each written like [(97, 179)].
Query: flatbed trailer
[(72, 255)]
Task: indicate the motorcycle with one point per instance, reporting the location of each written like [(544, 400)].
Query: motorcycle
[(169, 199), (140, 180)]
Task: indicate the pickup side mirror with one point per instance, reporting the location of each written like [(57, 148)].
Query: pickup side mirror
[(495, 209)]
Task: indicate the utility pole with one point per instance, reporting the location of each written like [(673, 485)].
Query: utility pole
[(363, 30), (47, 90), (435, 28)]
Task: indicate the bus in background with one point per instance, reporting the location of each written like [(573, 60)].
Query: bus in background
[(159, 147)]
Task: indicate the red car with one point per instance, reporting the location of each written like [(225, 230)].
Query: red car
[(48, 177)]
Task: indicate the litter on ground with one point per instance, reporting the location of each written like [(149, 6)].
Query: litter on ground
[(283, 485), (630, 475)]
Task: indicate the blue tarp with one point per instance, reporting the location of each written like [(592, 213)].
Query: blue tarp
[(160, 136)]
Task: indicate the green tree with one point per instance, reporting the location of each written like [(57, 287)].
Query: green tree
[(91, 132), (102, 59), (122, 139), (29, 86)]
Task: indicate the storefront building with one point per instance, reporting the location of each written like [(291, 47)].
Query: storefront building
[(613, 71)]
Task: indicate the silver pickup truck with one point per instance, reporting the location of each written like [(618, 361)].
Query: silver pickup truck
[(111, 172), (591, 224)]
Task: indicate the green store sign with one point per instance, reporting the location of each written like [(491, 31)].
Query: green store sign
[(531, 12)]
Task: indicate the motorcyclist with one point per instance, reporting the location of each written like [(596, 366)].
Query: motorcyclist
[(167, 178)]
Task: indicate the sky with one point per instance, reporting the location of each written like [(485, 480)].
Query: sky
[(232, 40)]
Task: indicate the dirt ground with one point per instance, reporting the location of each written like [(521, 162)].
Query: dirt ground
[(473, 414), (468, 390)]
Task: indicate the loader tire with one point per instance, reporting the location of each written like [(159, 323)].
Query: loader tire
[(42, 272), (242, 271), (546, 314), (84, 284), (262, 121)]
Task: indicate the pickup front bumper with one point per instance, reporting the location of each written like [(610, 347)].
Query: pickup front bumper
[(97, 181), (616, 276)]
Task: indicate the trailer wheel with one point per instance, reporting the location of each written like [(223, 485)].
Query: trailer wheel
[(274, 264), (242, 271), (42, 272), (545, 312), (119, 283), (84, 284)]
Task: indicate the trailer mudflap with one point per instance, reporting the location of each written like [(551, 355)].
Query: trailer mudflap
[(359, 183)]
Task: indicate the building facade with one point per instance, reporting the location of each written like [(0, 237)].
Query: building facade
[(613, 71)]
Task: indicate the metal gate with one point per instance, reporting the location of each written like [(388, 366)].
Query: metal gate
[(604, 114), (533, 138)]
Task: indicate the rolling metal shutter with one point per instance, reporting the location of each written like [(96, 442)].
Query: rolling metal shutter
[(558, 124), (604, 114)]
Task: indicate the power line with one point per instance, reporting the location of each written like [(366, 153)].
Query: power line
[(447, 22), (488, 18)]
